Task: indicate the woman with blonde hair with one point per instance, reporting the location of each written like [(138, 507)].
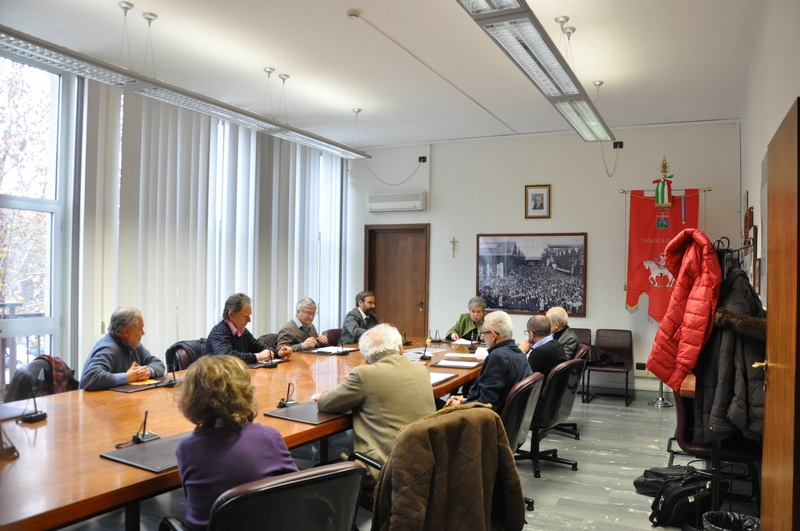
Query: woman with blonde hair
[(226, 449)]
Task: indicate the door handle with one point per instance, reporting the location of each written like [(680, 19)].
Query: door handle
[(760, 365), (421, 305)]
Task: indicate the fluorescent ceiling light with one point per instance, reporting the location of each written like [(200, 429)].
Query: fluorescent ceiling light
[(37, 52), (513, 26)]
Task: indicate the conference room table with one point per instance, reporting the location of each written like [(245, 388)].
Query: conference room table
[(59, 477)]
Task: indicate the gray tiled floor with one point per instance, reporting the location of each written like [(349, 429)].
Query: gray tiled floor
[(616, 445)]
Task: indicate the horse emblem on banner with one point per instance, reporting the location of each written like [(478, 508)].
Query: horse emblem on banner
[(657, 269)]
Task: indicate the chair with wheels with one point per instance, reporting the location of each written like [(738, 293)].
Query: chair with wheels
[(571, 428), (325, 497), (621, 343), (518, 411), (555, 406), (736, 449)]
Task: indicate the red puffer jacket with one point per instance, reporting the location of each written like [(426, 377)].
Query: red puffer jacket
[(692, 259)]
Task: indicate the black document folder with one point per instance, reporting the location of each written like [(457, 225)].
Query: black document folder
[(306, 413), (155, 456)]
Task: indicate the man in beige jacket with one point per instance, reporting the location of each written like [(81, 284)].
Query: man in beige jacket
[(385, 395)]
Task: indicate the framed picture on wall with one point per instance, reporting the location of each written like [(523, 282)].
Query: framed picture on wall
[(530, 273), (537, 201)]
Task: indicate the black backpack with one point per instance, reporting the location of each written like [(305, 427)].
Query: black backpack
[(683, 499), (651, 481)]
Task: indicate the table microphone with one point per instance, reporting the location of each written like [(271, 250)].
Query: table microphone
[(144, 435), (286, 402), (425, 355), (37, 415), (406, 342), (174, 380)]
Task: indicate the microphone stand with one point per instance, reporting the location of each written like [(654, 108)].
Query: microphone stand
[(37, 415), (144, 435)]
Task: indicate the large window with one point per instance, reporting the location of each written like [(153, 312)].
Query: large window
[(30, 213)]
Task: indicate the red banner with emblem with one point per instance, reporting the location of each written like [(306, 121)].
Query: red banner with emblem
[(651, 229)]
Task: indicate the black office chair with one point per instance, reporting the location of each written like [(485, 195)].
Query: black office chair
[(183, 353), (518, 411), (325, 497), (555, 406), (25, 382), (571, 428)]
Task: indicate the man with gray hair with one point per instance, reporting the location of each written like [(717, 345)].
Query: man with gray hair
[(503, 367), (299, 333), (385, 395), (118, 358), (559, 326)]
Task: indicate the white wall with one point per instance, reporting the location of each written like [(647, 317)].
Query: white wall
[(478, 187), (773, 85)]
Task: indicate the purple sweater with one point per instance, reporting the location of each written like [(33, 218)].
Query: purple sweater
[(213, 460)]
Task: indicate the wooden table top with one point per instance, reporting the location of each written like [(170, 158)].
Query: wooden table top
[(60, 477)]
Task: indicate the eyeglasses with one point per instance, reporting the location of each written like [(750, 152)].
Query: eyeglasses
[(312, 314), (487, 332)]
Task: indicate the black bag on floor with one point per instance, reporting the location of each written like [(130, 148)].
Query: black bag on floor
[(653, 479), (683, 499)]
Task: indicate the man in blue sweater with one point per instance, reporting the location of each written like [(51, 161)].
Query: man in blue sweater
[(119, 358)]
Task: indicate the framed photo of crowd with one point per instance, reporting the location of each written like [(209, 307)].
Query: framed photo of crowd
[(530, 273)]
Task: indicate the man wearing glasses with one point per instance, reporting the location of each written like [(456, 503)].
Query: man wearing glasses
[(299, 333), (503, 367), (544, 352)]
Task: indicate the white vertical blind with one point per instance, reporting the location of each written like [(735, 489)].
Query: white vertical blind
[(202, 209)]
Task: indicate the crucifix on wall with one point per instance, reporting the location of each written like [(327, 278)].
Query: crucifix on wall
[(453, 242)]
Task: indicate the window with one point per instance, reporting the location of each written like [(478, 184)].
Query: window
[(30, 213)]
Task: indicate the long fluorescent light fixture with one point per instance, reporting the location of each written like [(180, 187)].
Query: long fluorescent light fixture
[(513, 26), (36, 51)]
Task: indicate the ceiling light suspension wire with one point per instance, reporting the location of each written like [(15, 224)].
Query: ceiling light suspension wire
[(283, 78), (125, 38), (599, 104), (268, 93), (357, 131), (355, 15), (149, 17)]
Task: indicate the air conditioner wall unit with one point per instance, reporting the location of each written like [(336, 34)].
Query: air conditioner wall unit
[(396, 202)]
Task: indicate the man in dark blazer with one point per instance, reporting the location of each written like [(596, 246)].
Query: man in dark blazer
[(544, 352), (360, 319)]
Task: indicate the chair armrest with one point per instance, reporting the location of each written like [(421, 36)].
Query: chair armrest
[(358, 456), (172, 523)]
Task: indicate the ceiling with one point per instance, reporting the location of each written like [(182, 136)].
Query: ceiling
[(421, 70)]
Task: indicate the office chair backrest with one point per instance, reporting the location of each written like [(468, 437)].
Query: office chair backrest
[(25, 382), (558, 395), (325, 497), (582, 353), (520, 405), (333, 335), (584, 335)]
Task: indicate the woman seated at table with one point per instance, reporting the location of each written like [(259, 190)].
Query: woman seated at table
[(226, 449), (469, 325)]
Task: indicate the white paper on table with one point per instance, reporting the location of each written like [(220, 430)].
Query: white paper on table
[(437, 377), (422, 350), (333, 350), (457, 364), (481, 353), (462, 342), (460, 355)]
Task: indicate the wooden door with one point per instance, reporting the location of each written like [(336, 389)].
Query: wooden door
[(396, 269), (780, 497)]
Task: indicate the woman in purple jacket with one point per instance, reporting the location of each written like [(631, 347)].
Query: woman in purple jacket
[(226, 449)]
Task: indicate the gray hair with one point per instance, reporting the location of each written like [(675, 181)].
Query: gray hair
[(362, 295), (234, 304), (557, 314), (122, 318), (380, 341), (476, 302), (305, 302), (539, 325), (499, 322)]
